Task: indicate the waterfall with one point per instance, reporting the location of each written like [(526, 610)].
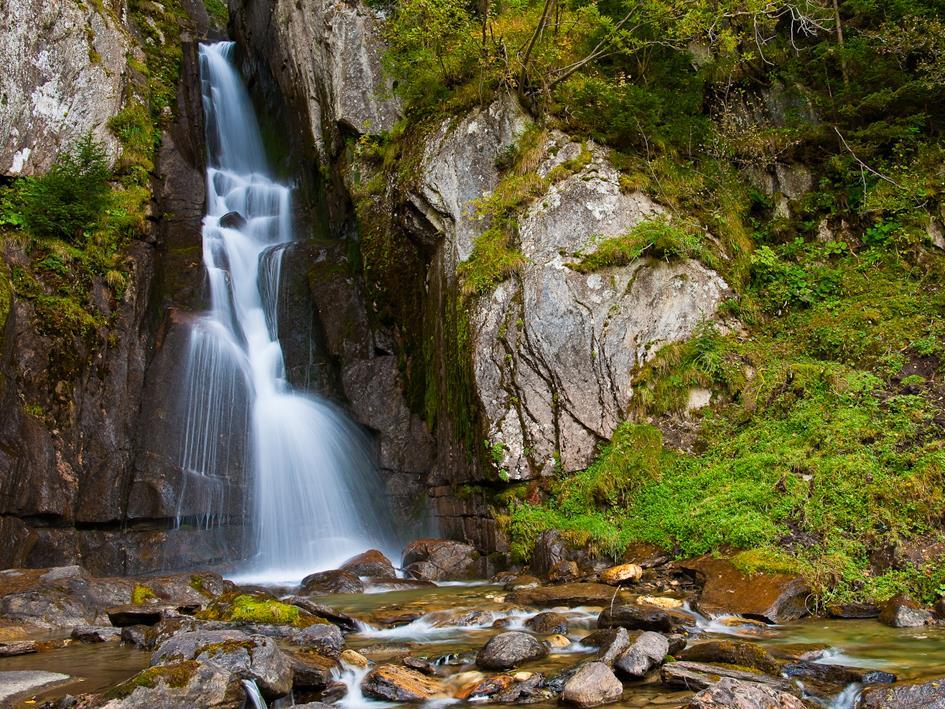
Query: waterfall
[(314, 489)]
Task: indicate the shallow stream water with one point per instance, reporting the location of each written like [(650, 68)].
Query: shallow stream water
[(423, 623)]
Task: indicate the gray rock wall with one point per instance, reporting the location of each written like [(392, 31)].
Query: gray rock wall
[(64, 74)]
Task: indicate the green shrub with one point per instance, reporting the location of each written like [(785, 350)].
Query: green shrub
[(68, 201)]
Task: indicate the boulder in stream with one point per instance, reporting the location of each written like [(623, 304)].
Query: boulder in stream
[(646, 653), (638, 617), (773, 598), (95, 633), (255, 657), (184, 683), (698, 675), (564, 571), (903, 612), (547, 623), (732, 652), (592, 685), (232, 220), (736, 694), (508, 650), (324, 583), (344, 621), (927, 694), (440, 560), (612, 643), (400, 684), (370, 563)]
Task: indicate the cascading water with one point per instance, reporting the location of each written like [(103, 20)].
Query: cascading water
[(314, 488)]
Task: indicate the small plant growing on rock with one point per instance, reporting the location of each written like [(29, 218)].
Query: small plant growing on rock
[(68, 201)]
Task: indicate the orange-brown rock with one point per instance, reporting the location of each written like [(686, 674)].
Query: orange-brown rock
[(401, 684), (774, 598), (624, 573)]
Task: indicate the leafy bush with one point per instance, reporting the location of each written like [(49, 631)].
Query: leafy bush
[(68, 201)]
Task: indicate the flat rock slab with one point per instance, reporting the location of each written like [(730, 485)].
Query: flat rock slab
[(122, 616), (697, 676), (15, 683), (568, 594)]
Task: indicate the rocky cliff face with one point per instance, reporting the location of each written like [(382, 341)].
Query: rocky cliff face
[(70, 487), (540, 368), (65, 74)]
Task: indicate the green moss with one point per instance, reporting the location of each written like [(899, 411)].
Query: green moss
[(218, 12), (493, 260), (142, 594), (226, 647), (265, 610), (176, 674), (656, 238), (765, 560), (816, 450)]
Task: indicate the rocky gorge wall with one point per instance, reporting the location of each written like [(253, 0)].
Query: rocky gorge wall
[(70, 470), (90, 466), (529, 377)]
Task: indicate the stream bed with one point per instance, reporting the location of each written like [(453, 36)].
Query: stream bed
[(448, 624)]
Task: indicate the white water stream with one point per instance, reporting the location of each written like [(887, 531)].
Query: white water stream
[(315, 493)]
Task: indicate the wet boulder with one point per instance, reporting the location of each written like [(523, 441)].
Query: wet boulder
[(909, 695), (325, 583), (18, 647), (136, 636), (95, 633), (564, 571), (508, 650), (232, 220), (321, 637), (344, 621), (440, 560), (639, 617), (624, 573), (400, 684), (547, 623), (646, 653), (311, 671), (370, 563), (852, 611), (612, 643), (732, 652), (459, 618), (826, 679), (773, 598), (592, 685), (569, 594), (903, 612), (420, 665), (736, 694), (253, 657), (698, 675), (183, 683), (523, 582)]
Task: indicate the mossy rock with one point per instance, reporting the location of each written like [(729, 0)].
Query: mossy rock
[(265, 610), (176, 675)]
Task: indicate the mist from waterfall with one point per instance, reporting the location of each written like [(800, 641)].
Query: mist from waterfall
[(315, 493)]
